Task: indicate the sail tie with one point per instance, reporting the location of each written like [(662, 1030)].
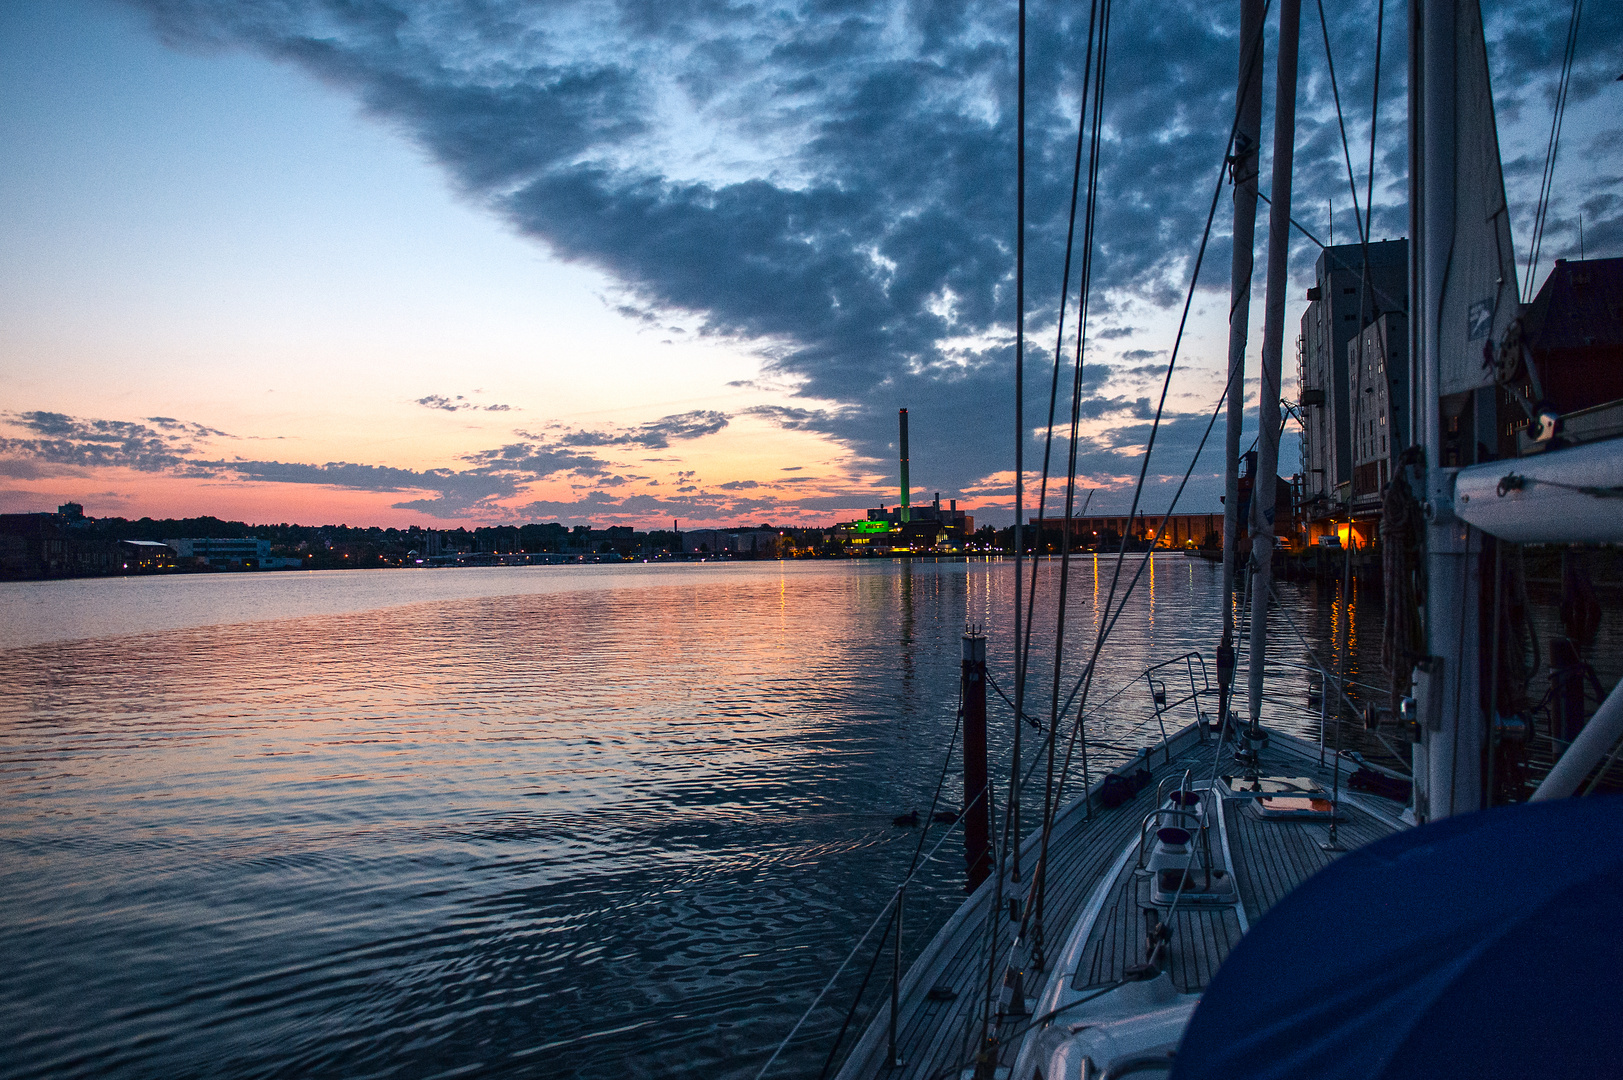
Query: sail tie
[(1516, 482)]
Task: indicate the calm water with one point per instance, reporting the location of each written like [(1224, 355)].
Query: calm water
[(548, 821)]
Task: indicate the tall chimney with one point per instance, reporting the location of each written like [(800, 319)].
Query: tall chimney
[(903, 513)]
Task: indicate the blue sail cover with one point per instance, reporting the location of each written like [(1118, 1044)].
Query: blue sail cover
[(1489, 944)]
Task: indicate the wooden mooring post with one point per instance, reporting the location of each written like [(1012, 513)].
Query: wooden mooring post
[(977, 811)]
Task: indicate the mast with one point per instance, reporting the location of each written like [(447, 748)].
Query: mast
[(1464, 290), (1266, 484), (1446, 545), (1019, 451), (1243, 159)]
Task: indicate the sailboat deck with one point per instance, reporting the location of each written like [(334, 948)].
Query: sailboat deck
[(1273, 857), (937, 1038), (1270, 859), (1201, 938)]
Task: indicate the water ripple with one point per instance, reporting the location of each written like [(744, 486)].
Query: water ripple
[(567, 821)]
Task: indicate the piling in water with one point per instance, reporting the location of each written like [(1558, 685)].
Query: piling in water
[(977, 812)]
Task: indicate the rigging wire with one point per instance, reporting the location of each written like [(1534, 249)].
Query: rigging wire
[(1087, 676), (1379, 293), (1086, 682), (1064, 303), (1346, 152), (1155, 426), (1374, 116), (1099, 15), (1011, 817), (891, 904), (1365, 288), (1547, 180), (879, 949), (1040, 876), (1119, 691)]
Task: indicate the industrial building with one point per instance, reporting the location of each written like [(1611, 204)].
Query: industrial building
[(1351, 317), (1570, 369), (222, 552), (1107, 532), (905, 528), (1378, 384)]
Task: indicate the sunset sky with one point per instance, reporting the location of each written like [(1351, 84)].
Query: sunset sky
[(619, 262)]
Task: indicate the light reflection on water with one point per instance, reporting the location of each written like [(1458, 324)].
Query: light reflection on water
[(550, 821)]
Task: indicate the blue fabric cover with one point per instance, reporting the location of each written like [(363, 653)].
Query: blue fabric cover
[(1489, 944)]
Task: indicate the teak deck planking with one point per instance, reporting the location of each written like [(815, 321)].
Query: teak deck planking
[(937, 1039)]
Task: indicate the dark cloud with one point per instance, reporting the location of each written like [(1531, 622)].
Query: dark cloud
[(458, 404), (656, 435), (846, 500), (535, 459), (161, 445), (27, 468), (56, 442), (1096, 373), (835, 184), (597, 506), (456, 493), (796, 419), (170, 424), (688, 425)]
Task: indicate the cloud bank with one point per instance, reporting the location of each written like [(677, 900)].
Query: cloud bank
[(488, 484), (834, 184)]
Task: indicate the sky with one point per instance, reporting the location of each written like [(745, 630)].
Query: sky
[(471, 262)]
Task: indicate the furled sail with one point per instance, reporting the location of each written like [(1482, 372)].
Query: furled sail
[(1479, 295)]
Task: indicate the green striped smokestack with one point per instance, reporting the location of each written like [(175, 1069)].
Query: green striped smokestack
[(905, 485)]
